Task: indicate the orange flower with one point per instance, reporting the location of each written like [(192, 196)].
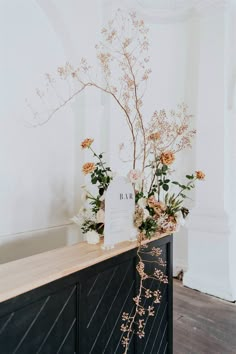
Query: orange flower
[(154, 136), (167, 158), (158, 207), (86, 143), (200, 175), (88, 167)]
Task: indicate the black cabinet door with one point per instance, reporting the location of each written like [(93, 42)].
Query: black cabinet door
[(104, 297), (158, 328), (107, 290), (47, 326)]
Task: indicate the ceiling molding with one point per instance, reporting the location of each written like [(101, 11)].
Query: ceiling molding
[(171, 11)]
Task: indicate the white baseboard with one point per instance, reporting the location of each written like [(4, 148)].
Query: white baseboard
[(216, 288)]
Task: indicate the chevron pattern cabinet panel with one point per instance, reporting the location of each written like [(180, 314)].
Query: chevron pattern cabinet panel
[(47, 326), (105, 297), (81, 313)]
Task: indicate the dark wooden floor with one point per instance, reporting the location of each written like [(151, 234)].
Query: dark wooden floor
[(202, 323)]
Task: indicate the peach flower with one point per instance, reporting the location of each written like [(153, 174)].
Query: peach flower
[(151, 201), (200, 175), (86, 143), (154, 136), (167, 158), (88, 167), (158, 207)]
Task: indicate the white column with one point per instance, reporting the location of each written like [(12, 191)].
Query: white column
[(209, 266)]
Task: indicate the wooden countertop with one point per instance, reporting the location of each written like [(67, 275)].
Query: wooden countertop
[(26, 274)]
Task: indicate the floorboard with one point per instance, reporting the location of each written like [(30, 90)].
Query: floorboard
[(202, 324)]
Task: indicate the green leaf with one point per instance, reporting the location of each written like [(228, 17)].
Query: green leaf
[(175, 182), (166, 198), (164, 168), (190, 176), (165, 187)]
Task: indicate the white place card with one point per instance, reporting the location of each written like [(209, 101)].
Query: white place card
[(119, 212)]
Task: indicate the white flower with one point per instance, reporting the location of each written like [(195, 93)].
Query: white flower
[(100, 216), (92, 237), (135, 176), (146, 214), (83, 215), (111, 174), (142, 202)]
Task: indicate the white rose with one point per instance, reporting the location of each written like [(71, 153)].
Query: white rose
[(135, 176), (92, 237), (111, 174), (142, 202), (100, 216)]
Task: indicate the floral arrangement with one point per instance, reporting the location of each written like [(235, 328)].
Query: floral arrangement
[(152, 150), (158, 209), (92, 220)]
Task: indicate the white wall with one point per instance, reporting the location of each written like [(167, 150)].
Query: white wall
[(40, 167), (211, 264)]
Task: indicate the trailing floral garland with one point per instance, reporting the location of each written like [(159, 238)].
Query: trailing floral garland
[(159, 198)]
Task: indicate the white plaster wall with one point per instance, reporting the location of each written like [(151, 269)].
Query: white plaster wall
[(211, 266), (40, 167), (230, 114)]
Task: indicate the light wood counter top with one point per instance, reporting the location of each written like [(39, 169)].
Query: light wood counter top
[(26, 274)]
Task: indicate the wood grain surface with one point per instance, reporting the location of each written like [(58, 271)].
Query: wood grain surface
[(26, 274)]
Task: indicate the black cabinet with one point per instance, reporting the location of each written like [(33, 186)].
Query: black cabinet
[(45, 326), (81, 313)]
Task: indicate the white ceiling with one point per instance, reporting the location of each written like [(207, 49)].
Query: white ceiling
[(171, 5)]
